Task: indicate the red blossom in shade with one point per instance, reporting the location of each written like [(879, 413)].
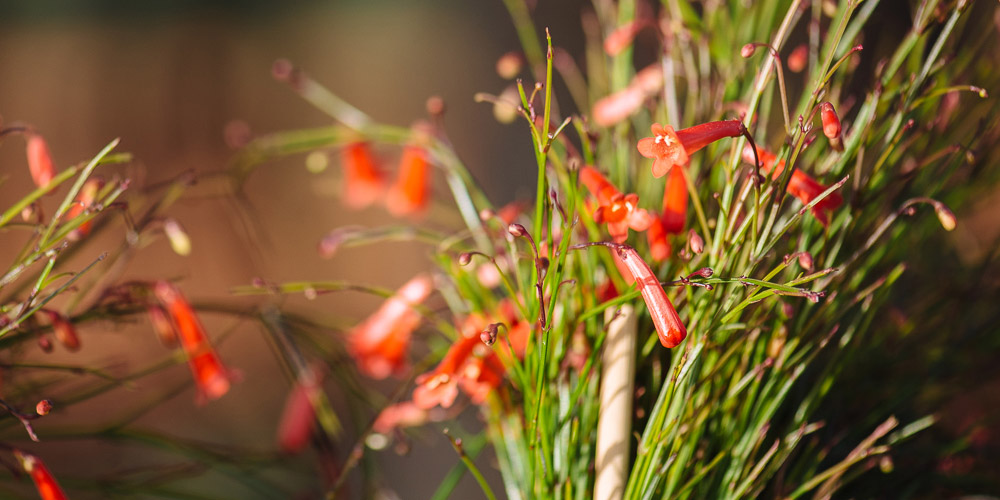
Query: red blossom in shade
[(668, 324), (622, 37), (405, 414), (616, 107), (801, 185), (363, 183), (48, 488), (656, 236), (64, 330), (379, 344), (39, 160), (210, 375), (84, 200), (470, 364), (440, 386), (299, 416), (409, 195), (619, 211), (668, 148)]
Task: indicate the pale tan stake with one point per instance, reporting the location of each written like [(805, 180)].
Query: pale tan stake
[(615, 421)]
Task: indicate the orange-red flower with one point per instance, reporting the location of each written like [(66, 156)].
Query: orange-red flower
[(675, 202), (363, 183), (48, 488), (405, 414), (409, 195), (299, 416), (669, 327), (470, 364), (210, 375), (622, 37), (84, 200), (619, 211), (656, 236), (379, 344), (669, 148), (801, 185), (39, 160)]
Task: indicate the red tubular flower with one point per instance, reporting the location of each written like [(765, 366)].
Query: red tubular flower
[(64, 330), (84, 200), (622, 37), (668, 324), (48, 488), (470, 364), (619, 211), (440, 386), (669, 148), (210, 375), (616, 107), (409, 195), (380, 343), (801, 185), (656, 236), (675, 202), (363, 182), (39, 160), (299, 416), (162, 325)]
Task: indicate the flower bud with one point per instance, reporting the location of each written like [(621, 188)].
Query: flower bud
[(64, 330), (695, 242), (464, 258), (831, 122), (40, 161), (509, 65), (806, 261), (43, 407), (798, 58), (180, 243), (945, 216), (516, 229), (748, 50)]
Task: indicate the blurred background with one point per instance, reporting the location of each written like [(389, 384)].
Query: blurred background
[(168, 76)]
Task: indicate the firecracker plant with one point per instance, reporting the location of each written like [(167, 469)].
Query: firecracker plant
[(727, 194)]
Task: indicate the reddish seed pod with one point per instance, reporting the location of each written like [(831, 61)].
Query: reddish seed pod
[(831, 122), (464, 258), (64, 330), (806, 261), (748, 50)]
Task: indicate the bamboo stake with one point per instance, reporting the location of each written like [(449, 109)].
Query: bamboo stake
[(615, 419)]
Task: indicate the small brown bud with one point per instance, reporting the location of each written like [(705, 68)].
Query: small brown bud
[(45, 343), (806, 261), (695, 242), (945, 216), (516, 229)]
